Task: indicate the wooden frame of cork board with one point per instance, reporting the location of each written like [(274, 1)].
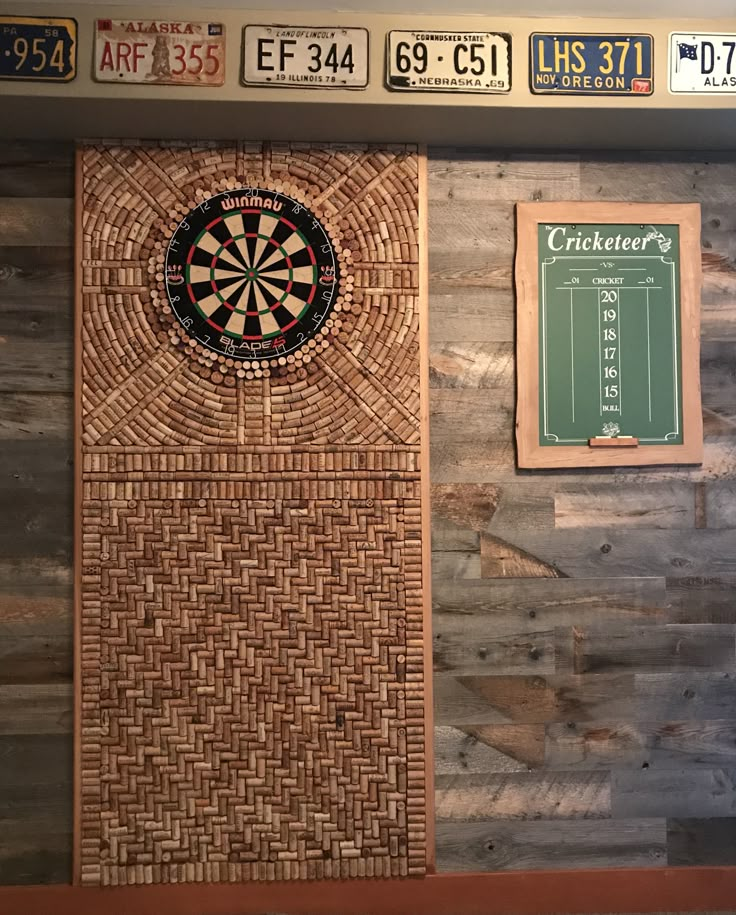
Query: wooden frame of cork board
[(599, 314), (252, 549)]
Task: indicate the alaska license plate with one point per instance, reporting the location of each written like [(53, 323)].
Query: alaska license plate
[(305, 58), (703, 62), (591, 64), (448, 61), (160, 52), (32, 48)]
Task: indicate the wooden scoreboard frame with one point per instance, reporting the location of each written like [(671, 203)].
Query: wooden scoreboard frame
[(532, 454)]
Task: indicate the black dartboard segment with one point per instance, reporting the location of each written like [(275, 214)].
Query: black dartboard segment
[(251, 274)]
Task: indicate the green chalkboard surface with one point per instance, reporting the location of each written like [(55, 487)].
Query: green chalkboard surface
[(609, 333)]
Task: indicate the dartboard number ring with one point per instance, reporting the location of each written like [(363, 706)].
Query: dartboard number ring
[(252, 274)]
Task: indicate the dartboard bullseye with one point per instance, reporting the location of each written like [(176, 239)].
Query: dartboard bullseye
[(252, 274)]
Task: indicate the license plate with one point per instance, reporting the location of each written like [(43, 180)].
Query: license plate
[(32, 48), (448, 61), (159, 51), (305, 58), (591, 64), (703, 62)]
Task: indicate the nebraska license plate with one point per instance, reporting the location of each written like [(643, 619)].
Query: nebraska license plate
[(703, 62), (159, 51), (448, 61), (32, 48), (305, 58), (591, 64)]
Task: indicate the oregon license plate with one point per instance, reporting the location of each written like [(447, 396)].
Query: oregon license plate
[(32, 48), (449, 61), (702, 62), (159, 51), (591, 64), (304, 58)]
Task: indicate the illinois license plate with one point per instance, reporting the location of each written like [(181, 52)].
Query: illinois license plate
[(591, 64), (305, 58), (449, 61), (702, 62), (32, 48), (159, 51)]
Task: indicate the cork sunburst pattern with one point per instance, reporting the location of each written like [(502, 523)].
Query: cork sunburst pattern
[(250, 670), (367, 359)]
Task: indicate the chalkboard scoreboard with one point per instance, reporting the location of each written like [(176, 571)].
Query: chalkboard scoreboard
[(608, 334)]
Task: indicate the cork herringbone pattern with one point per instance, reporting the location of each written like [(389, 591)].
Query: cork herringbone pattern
[(265, 647)]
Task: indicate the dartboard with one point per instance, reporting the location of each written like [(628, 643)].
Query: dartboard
[(252, 274)]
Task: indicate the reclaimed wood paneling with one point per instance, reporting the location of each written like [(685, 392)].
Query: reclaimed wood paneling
[(35, 221), (628, 697), (606, 648), (599, 630), (506, 748), (33, 658), (36, 342), (701, 598), (37, 708), (451, 565), (36, 170), (529, 605), (523, 796), (551, 844), (659, 506), (490, 652), (682, 179), (501, 559), (35, 808), (696, 841), (482, 315), (461, 176), (36, 499), (451, 422), (644, 601), (478, 699), (32, 415), (673, 792), (598, 552), (36, 317), (720, 504), (639, 745), (477, 462), (478, 225)]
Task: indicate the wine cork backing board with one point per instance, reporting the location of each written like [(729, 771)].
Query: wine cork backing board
[(251, 513)]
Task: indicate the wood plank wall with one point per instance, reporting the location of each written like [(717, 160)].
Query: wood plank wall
[(585, 668), (36, 318), (585, 659)]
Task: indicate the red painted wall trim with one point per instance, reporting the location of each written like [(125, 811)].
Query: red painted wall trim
[(687, 889)]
